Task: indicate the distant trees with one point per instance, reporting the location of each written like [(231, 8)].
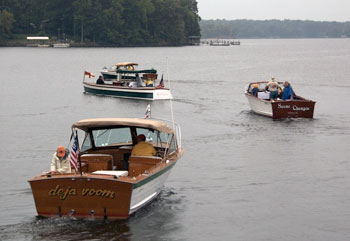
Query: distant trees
[(6, 22), (273, 29), (106, 22)]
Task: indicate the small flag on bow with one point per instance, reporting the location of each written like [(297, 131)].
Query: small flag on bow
[(148, 112), (91, 75), (74, 152)]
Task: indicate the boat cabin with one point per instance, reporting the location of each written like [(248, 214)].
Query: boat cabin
[(108, 143), (125, 74)]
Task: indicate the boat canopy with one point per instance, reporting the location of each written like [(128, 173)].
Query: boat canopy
[(113, 122), (125, 64), (145, 71)]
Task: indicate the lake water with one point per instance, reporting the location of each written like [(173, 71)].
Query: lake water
[(242, 176)]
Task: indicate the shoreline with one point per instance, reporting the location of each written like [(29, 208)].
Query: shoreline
[(83, 45)]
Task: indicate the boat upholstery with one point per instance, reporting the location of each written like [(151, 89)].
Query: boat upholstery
[(140, 164), (96, 162), (117, 154)]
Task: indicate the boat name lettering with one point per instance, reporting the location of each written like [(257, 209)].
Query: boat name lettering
[(64, 193), (98, 192), (280, 106), (300, 108)]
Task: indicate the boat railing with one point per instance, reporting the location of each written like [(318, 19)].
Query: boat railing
[(177, 129)]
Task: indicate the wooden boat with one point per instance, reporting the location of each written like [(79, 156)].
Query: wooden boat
[(106, 185), (261, 104), (122, 83)]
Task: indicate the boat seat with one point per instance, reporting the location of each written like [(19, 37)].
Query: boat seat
[(139, 164), (97, 162)]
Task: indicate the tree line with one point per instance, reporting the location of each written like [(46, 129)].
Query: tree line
[(103, 22), (273, 29)]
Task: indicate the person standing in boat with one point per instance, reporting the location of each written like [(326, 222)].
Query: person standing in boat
[(100, 81), (142, 148), (288, 93), (139, 81), (272, 86), (60, 161)]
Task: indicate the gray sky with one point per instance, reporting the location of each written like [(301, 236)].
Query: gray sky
[(318, 10)]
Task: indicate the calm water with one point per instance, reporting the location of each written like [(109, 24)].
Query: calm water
[(242, 177)]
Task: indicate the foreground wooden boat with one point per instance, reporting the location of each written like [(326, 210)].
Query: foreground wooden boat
[(121, 80), (107, 185), (261, 104)]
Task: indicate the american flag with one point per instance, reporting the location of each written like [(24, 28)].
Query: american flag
[(74, 152), (161, 83), (148, 112)]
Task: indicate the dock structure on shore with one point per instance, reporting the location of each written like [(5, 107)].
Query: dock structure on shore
[(38, 41), (220, 42)]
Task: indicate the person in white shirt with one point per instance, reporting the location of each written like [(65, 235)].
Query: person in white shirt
[(60, 161)]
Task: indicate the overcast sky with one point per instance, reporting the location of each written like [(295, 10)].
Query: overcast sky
[(318, 10)]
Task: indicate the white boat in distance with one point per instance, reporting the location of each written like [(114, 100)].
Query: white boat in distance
[(123, 83), (299, 107)]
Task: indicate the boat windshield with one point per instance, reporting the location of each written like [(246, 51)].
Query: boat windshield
[(159, 139), (116, 136)]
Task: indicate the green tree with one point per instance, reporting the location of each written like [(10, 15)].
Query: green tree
[(6, 22)]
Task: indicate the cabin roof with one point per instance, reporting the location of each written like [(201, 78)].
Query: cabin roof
[(144, 71), (126, 64), (111, 122)]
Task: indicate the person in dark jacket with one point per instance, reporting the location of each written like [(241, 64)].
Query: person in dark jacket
[(100, 81), (288, 93)]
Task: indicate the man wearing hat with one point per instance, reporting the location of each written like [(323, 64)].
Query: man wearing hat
[(142, 148), (60, 161)]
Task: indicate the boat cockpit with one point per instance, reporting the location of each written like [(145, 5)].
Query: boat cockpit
[(109, 149)]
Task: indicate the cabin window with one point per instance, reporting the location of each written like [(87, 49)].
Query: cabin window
[(173, 146), (107, 137), (151, 135), (86, 143)]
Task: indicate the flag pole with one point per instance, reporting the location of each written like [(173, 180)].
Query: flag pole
[(171, 102), (79, 160)]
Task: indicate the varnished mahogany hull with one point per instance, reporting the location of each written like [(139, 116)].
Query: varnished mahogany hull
[(281, 109), (100, 197)]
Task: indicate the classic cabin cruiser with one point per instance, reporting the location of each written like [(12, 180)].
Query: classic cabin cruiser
[(110, 182), (261, 103), (127, 82)]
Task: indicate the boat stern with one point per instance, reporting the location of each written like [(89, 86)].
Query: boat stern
[(293, 109), (81, 197), (162, 94)]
